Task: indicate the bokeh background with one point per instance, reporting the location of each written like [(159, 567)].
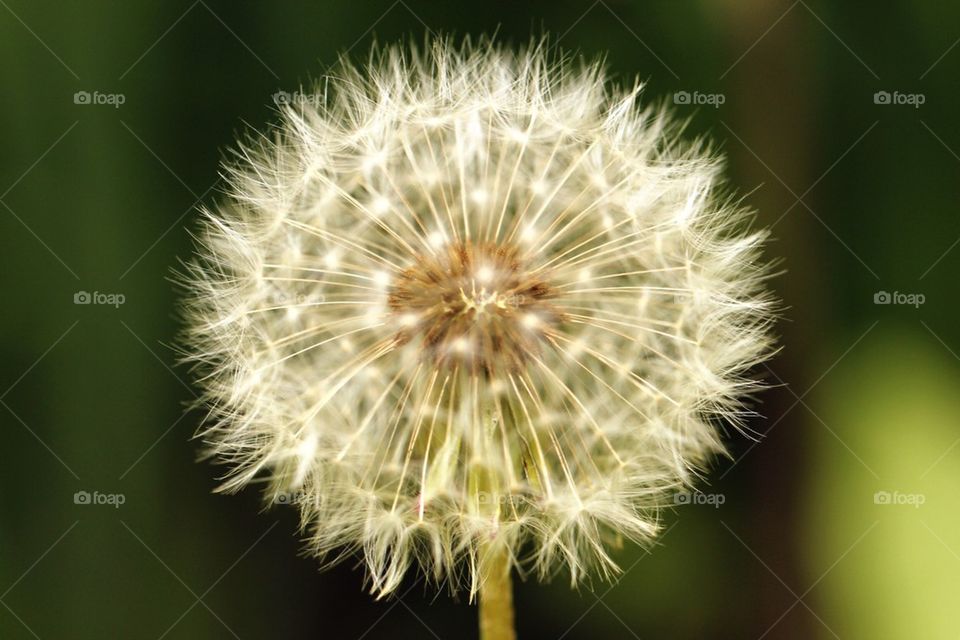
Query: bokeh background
[(842, 521)]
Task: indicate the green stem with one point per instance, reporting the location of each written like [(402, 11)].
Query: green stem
[(496, 596)]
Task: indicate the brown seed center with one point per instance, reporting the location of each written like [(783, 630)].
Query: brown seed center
[(475, 305)]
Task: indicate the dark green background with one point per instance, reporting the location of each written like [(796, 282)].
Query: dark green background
[(863, 198)]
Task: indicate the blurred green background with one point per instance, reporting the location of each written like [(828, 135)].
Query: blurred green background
[(841, 522)]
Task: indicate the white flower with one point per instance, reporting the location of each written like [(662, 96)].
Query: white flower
[(474, 297)]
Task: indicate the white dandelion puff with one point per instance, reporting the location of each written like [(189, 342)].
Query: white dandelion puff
[(476, 297)]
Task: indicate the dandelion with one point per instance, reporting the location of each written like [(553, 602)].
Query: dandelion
[(479, 311)]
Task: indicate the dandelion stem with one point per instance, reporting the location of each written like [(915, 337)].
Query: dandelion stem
[(496, 596)]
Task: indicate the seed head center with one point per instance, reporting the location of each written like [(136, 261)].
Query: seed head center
[(478, 306)]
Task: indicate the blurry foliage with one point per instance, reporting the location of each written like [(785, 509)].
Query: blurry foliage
[(898, 530)]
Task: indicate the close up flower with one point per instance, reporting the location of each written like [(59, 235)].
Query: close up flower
[(474, 298)]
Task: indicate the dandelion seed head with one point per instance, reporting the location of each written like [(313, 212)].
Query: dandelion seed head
[(478, 296)]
